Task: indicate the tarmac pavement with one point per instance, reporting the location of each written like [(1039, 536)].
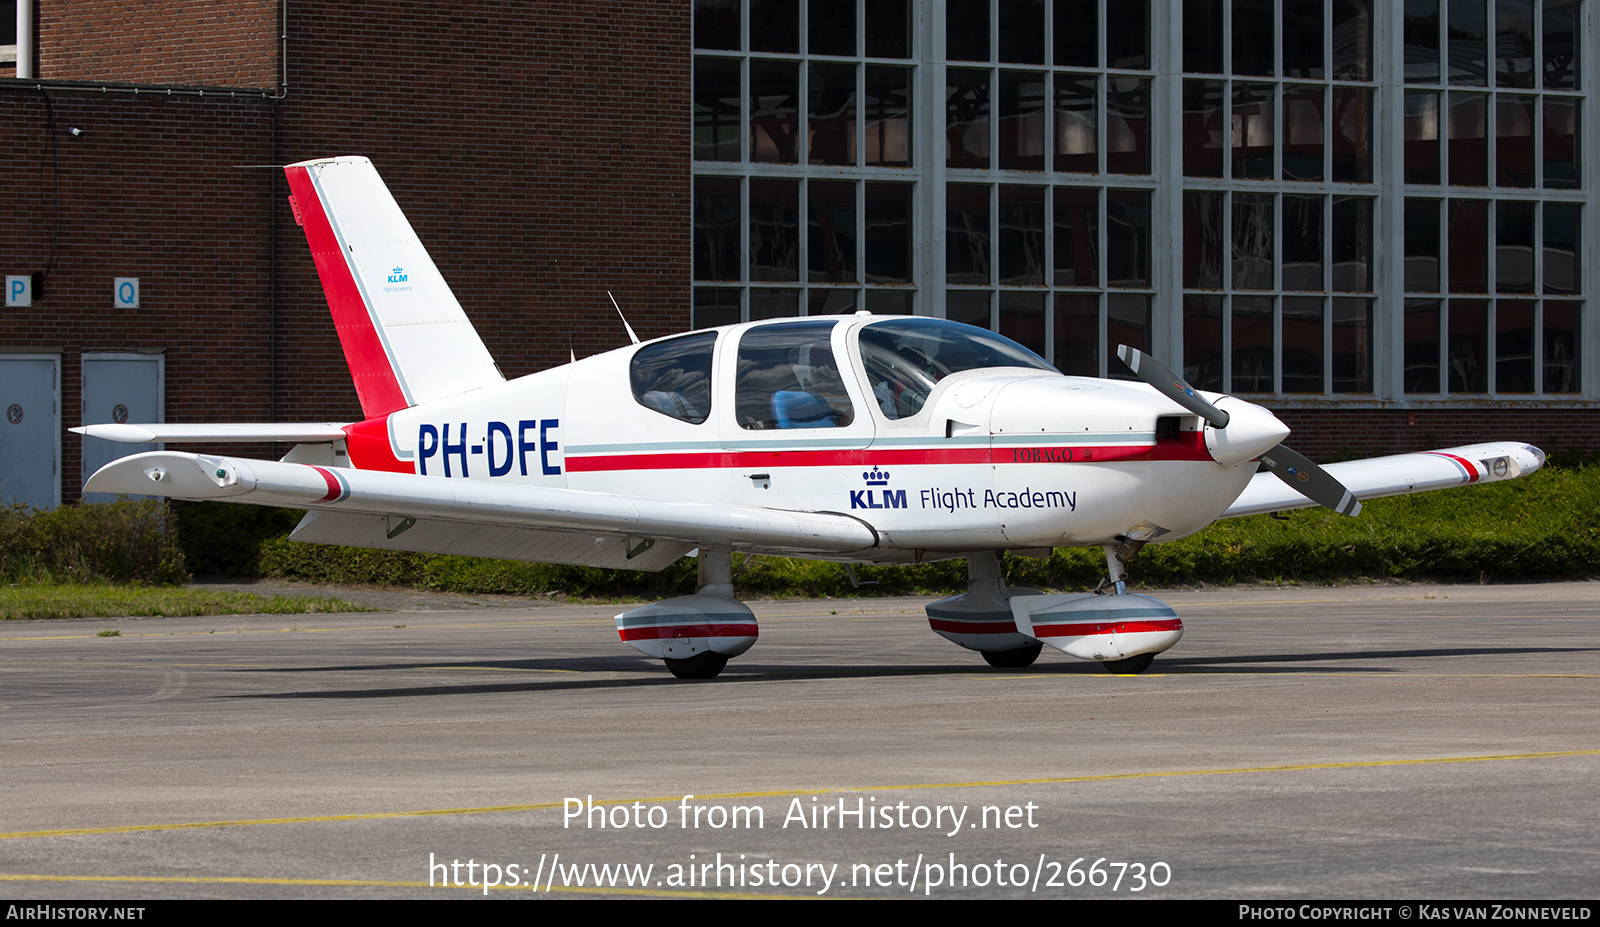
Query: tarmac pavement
[(1388, 742)]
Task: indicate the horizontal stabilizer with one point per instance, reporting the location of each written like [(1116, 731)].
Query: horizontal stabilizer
[(223, 433), (1397, 475), (292, 485)]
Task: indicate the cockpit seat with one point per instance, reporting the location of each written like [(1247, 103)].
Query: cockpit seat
[(799, 409), (670, 403)]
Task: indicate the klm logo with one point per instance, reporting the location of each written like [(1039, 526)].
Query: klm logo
[(398, 275), (877, 498)]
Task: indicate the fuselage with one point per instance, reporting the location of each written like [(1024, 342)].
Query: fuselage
[(929, 431)]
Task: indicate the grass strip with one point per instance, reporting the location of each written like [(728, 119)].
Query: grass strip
[(1543, 526), (74, 600)]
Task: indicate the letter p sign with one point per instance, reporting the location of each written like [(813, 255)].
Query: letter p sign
[(19, 291)]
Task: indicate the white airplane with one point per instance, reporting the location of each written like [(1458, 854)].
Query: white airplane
[(859, 439)]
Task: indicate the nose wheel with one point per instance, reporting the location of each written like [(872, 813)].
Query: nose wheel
[(1012, 659), (707, 664), (1131, 666), (1117, 557)]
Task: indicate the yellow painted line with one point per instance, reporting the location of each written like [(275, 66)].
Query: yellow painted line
[(786, 793), (319, 666), (1190, 615), (502, 669), (566, 622), (375, 883), (1297, 673)]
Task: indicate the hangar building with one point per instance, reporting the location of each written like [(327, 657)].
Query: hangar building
[(1372, 216)]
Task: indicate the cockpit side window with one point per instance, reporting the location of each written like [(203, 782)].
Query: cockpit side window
[(905, 358), (788, 378), (674, 377)]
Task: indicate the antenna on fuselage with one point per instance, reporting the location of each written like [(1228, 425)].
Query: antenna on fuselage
[(631, 336)]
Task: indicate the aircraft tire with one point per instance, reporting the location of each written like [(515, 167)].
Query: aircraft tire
[(704, 665), (1131, 666), (1012, 659)]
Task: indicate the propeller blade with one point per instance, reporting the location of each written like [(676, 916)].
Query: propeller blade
[(1310, 480), (1171, 385), (1288, 465)]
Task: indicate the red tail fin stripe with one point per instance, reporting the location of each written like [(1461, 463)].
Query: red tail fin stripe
[(376, 384)]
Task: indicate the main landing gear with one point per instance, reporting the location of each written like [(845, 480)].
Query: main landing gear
[(980, 619), (694, 634), (1010, 626)]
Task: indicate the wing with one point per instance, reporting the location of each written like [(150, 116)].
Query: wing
[(403, 511), (249, 432), (1398, 475)]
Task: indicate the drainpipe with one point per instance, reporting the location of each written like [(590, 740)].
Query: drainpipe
[(25, 67)]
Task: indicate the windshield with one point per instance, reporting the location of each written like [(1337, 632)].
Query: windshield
[(906, 358)]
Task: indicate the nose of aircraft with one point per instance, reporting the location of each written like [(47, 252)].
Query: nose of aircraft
[(1251, 431), (1071, 404)]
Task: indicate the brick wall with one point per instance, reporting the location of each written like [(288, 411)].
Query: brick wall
[(152, 189), (540, 151), (1335, 434), (195, 43)]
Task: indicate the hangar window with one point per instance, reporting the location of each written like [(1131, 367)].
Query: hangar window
[(674, 377), (8, 33), (788, 378)]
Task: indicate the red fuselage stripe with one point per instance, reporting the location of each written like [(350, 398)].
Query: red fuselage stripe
[(865, 457), (1055, 630), (1080, 629), (376, 384), (667, 631)]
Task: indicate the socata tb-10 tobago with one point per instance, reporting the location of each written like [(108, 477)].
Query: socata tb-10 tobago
[(861, 439)]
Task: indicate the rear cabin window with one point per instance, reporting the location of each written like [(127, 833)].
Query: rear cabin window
[(788, 378), (674, 377)]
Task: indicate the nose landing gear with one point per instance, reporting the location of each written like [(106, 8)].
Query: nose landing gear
[(1121, 631)]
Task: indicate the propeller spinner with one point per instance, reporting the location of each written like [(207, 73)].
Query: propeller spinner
[(1294, 468)]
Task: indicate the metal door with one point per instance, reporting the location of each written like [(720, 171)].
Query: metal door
[(121, 388), (30, 433)]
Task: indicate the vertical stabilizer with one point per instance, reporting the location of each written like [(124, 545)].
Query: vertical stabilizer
[(405, 336)]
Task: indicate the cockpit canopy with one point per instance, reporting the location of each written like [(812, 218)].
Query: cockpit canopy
[(905, 358), (788, 377)]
